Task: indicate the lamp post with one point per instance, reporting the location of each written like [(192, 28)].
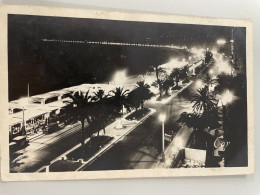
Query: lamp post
[(199, 83), (221, 41), (162, 118), (28, 90), (227, 98), (24, 102), (23, 116)]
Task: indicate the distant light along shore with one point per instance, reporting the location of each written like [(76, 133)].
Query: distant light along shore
[(114, 43)]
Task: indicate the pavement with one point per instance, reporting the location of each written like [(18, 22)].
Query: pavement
[(179, 142), (141, 148), (112, 130), (134, 147)]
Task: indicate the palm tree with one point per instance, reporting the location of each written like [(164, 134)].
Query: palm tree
[(167, 83), (101, 115), (134, 99), (208, 79), (119, 97), (159, 70), (143, 92), (224, 82), (203, 101), (99, 95), (80, 110), (184, 74), (175, 74), (193, 120)]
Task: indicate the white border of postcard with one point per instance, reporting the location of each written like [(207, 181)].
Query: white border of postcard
[(125, 16)]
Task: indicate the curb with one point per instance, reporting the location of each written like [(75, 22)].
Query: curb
[(92, 159), (102, 150)]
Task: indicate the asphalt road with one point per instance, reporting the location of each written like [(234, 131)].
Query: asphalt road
[(141, 149), (42, 150)]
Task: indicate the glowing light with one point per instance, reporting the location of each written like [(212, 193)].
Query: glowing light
[(173, 63), (221, 41), (197, 52), (183, 59), (199, 83), (149, 80), (189, 57), (162, 118), (120, 77), (210, 71), (224, 66), (214, 51), (227, 97)]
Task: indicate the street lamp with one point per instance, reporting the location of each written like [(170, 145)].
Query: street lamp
[(199, 83), (23, 124), (162, 118), (226, 98), (221, 41), (120, 77)]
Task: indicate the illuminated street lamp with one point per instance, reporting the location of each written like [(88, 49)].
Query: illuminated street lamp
[(23, 127), (120, 77), (162, 118), (226, 98), (221, 42), (199, 83), (24, 102)]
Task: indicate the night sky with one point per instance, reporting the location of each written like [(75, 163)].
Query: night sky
[(53, 65)]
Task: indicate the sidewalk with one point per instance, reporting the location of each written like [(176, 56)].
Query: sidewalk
[(112, 130), (178, 143)]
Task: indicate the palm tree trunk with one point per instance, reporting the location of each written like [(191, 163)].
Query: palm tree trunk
[(177, 81), (194, 138), (167, 92), (82, 133), (158, 80), (104, 128), (142, 105)]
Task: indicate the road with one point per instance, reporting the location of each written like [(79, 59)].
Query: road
[(141, 149), (42, 150)]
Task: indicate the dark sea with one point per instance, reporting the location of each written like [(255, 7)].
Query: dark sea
[(52, 66)]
